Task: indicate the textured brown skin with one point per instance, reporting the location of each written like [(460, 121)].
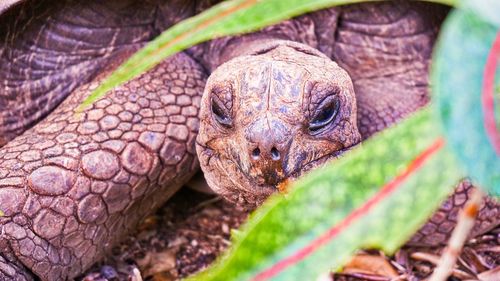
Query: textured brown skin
[(386, 51), (71, 186), (270, 98), (49, 49)]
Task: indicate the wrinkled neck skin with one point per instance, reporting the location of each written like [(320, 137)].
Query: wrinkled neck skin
[(315, 31), (245, 46), (268, 94)]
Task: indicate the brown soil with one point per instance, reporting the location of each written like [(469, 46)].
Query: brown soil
[(192, 229)]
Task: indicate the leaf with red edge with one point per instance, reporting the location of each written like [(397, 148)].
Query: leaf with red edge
[(375, 198), (227, 18), (463, 88)]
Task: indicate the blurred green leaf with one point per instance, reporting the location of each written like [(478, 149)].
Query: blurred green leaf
[(487, 9), (457, 79), (324, 200)]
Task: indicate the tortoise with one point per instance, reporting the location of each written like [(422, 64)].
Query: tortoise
[(251, 110)]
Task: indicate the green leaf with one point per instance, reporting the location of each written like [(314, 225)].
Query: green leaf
[(458, 79), (341, 207), (323, 202), (226, 18), (487, 9)]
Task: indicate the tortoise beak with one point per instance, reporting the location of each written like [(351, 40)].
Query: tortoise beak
[(266, 172)]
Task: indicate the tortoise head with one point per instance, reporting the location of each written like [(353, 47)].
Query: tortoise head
[(271, 116)]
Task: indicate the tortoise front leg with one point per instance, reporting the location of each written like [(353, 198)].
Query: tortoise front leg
[(74, 185), (438, 229), (11, 269)]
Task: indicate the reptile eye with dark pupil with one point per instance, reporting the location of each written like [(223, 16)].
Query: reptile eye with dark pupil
[(325, 116), (220, 114)]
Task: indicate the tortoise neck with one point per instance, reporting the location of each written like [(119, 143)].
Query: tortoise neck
[(311, 30), (224, 49), (244, 46)]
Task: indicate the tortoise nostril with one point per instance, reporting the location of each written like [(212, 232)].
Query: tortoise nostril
[(256, 153), (275, 154)]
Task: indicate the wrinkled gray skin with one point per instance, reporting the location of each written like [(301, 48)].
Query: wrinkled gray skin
[(72, 186)]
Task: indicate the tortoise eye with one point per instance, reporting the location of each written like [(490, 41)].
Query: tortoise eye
[(220, 113), (326, 114)]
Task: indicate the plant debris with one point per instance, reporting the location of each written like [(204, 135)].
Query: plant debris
[(192, 229)]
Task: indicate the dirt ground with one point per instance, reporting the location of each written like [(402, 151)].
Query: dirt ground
[(192, 229)]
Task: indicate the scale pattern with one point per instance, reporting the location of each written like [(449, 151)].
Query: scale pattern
[(438, 229), (76, 183), (73, 185)]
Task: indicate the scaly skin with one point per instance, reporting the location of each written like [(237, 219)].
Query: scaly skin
[(74, 185), (438, 229), (49, 49), (71, 186)]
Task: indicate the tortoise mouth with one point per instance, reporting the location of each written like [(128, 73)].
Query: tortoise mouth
[(322, 160), (229, 178), (282, 184)]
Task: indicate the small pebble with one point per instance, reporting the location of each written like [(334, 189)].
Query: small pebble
[(109, 273)]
